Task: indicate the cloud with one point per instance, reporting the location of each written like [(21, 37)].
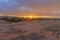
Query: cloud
[(26, 8), (41, 7), (4, 0)]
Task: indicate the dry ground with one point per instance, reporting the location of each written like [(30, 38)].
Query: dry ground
[(30, 30)]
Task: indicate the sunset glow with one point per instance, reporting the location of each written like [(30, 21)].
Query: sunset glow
[(32, 15)]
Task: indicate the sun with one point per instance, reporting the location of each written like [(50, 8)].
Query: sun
[(30, 17)]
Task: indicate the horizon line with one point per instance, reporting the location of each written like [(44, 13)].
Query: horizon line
[(33, 16)]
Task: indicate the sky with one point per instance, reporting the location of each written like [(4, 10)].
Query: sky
[(24, 7)]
